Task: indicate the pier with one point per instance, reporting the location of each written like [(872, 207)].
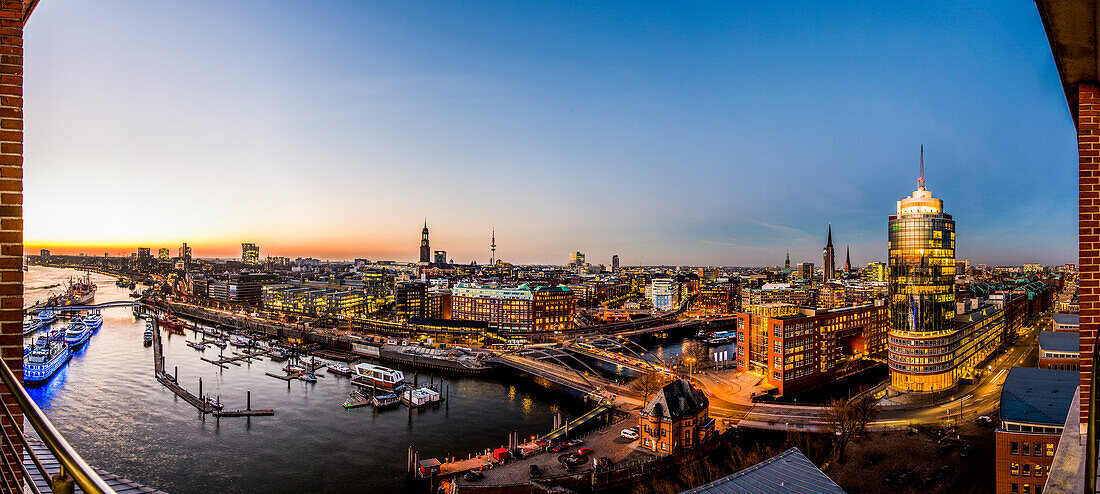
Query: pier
[(247, 357), (170, 382)]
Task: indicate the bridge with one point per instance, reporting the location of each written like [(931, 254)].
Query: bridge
[(562, 375), (629, 354), (79, 308)]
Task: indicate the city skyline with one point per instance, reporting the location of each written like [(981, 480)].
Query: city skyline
[(683, 142)]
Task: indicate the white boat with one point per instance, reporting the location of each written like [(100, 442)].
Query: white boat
[(239, 341), (220, 343), (308, 377), (369, 375), (30, 327), (47, 316), (420, 396)]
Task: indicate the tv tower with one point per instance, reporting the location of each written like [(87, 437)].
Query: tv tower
[(493, 258)]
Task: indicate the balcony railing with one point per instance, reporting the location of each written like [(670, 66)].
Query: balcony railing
[(73, 467)]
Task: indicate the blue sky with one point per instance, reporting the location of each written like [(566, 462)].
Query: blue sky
[(666, 132)]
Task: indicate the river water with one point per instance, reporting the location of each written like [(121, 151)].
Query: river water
[(107, 403)]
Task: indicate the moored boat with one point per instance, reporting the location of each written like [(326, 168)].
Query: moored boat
[(79, 292), (369, 375), (239, 341), (47, 316), (342, 370), (44, 361), (214, 403), (196, 345), (148, 336), (31, 326), (308, 377), (77, 334), (93, 320)]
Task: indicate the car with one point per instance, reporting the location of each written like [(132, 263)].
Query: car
[(985, 419), (629, 434), (472, 476), (584, 451), (535, 472), (558, 448), (601, 462), (575, 442)]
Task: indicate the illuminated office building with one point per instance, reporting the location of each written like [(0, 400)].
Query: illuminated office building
[(250, 253), (440, 257), (923, 333), (164, 254)]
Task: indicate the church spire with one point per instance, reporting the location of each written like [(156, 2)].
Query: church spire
[(848, 259), (830, 242)]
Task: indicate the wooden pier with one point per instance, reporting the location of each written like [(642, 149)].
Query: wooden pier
[(244, 413), (235, 360), (310, 368), (170, 382)]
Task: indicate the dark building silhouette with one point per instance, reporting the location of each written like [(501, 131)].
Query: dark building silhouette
[(425, 249), (830, 258)]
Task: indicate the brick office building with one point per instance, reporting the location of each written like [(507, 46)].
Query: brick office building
[(797, 348), (1034, 407)]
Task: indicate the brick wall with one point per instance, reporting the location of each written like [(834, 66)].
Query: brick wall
[(1005, 459), (1088, 146), (11, 215)]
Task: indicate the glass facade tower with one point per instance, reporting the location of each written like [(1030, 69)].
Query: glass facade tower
[(923, 336)]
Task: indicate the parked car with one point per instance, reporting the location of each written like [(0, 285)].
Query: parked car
[(630, 434), (575, 442), (584, 451), (535, 472), (558, 448), (472, 476), (601, 462)]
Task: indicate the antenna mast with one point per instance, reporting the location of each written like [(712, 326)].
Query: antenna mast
[(920, 181)]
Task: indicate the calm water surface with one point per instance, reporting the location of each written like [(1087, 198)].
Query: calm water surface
[(110, 407)]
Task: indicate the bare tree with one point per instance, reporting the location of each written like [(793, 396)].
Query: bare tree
[(843, 421), (648, 383), (694, 354), (865, 409)]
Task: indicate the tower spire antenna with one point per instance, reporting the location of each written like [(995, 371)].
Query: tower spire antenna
[(920, 180)]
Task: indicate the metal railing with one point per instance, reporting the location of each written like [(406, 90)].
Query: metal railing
[(73, 469), (1090, 434)]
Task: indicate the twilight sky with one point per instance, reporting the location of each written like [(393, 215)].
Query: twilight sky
[(711, 133)]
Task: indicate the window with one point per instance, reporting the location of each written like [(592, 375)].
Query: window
[(1050, 449), (1038, 489), (1015, 448), (1027, 449), (1027, 488), (1038, 470), (1027, 472), (1015, 488), (1015, 470), (1038, 449)]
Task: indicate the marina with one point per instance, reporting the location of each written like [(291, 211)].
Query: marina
[(309, 417)]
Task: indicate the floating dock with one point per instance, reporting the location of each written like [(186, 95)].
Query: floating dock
[(244, 413)]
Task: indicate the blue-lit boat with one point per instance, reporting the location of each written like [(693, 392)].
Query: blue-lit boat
[(47, 316), (93, 320), (77, 334), (30, 327), (44, 361)]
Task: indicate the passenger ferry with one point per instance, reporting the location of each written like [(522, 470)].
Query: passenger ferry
[(93, 320), (369, 375), (44, 361), (77, 334), (31, 326), (47, 316)]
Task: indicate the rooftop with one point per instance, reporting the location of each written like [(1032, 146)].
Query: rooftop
[(787, 472), (1038, 396), (1067, 319), (1059, 341), (676, 400)]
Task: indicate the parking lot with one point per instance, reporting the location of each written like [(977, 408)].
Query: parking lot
[(605, 443)]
